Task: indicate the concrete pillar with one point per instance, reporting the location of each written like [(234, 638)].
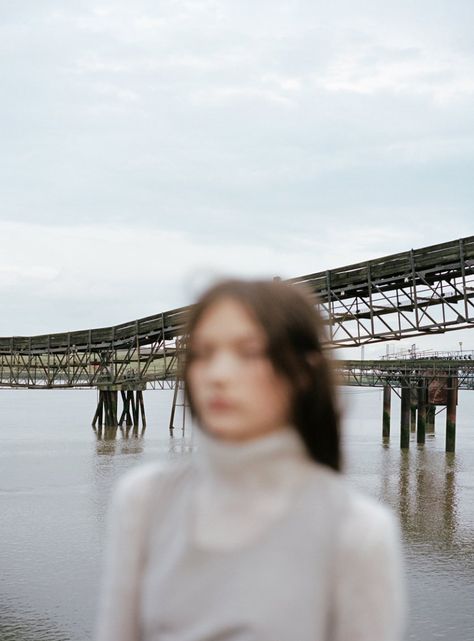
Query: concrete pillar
[(405, 418), (421, 424), (451, 413), (387, 397)]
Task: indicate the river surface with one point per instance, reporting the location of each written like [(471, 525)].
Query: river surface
[(56, 476)]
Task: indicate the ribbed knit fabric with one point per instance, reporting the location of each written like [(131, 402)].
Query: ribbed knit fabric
[(242, 487), (249, 541)]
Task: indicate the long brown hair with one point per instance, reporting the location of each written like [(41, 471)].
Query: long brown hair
[(295, 334)]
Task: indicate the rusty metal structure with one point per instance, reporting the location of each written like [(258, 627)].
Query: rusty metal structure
[(422, 384), (422, 291), (402, 373), (129, 354), (119, 359)]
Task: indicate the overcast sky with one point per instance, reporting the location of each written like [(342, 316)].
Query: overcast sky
[(147, 146)]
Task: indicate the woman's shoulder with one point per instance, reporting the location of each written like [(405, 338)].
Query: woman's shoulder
[(367, 514), (368, 564), (360, 514), (368, 528)]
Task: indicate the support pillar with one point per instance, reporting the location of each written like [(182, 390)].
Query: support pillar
[(98, 413), (106, 412), (452, 398), (126, 415), (387, 397), (405, 418), (421, 424), (413, 408), (142, 406), (430, 419), (179, 385)]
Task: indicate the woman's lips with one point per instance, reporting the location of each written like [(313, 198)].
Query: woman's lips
[(220, 404)]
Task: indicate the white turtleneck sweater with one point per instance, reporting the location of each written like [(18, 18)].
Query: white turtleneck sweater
[(249, 541)]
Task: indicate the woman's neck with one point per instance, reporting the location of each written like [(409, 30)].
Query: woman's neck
[(242, 486), (264, 459)]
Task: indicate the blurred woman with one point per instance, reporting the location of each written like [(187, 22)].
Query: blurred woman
[(257, 535)]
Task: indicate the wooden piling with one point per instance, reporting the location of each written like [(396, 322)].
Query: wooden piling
[(413, 408), (142, 407), (452, 397), (114, 396), (129, 420), (405, 418), (110, 408), (430, 418), (106, 411), (387, 397), (123, 415), (98, 412), (105, 397), (135, 410), (421, 423)]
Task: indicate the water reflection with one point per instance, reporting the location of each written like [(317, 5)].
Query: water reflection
[(426, 496), (419, 483), (119, 440), (55, 485), (110, 433)]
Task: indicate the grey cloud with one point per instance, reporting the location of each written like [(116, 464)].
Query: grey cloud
[(215, 118)]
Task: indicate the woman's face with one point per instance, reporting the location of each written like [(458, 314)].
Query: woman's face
[(235, 390)]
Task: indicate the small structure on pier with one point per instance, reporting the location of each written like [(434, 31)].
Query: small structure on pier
[(423, 382)]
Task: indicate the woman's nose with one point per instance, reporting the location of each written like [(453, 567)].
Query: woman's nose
[(221, 366)]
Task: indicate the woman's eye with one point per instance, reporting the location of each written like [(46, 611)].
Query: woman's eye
[(252, 352), (243, 352), (201, 353)]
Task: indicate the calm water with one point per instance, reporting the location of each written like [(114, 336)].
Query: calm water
[(56, 476)]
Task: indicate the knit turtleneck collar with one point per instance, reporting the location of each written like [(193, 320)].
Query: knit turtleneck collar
[(229, 460), (243, 486)]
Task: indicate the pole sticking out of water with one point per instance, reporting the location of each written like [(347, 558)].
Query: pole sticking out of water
[(421, 424), (413, 408), (452, 398), (405, 416), (387, 397)]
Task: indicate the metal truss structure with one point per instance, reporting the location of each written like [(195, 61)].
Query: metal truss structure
[(405, 373), (124, 357), (423, 291)]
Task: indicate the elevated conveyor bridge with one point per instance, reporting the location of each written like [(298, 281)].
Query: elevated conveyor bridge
[(423, 291)]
